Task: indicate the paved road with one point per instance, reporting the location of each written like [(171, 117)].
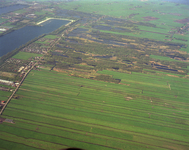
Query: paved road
[(16, 89)]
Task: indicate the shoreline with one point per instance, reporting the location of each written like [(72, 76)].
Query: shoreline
[(37, 24), (71, 21)]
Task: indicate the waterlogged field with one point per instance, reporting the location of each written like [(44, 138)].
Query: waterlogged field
[(55, 111)]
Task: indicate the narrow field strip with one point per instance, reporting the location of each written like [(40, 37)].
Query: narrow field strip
[(31, 142), (6, 144), (103, 87), (135, 136), (106, 97), (101, 131), (172, 97), (101, 123), (57, 88), (98, 92), (68, 111), (51, 138), (169, 121), (151, 111), (59, 139), (119, 137), (85, 91), (105, 117), (99, 106), (91, 137)]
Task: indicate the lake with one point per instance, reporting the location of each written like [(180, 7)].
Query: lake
[(15, 39), (11, 8)]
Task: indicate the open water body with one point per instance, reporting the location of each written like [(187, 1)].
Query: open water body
[(15, 39), (11, 8)]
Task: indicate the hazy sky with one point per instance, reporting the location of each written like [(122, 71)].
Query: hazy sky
[(180, 1)]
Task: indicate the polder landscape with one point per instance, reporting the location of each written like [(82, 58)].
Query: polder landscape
[(113, 75)]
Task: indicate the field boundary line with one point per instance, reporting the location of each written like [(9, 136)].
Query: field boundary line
[(16, 88)]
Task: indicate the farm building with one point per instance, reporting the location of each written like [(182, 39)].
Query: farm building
[(2, 29), (20, 69), (17, 84), (6, 82), (2, 120), (8, 120), (2, 102)]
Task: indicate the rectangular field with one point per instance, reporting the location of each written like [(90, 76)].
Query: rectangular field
[(25, 55), (54, 110), (115, 79)]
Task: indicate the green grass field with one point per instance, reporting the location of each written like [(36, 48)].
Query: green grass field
[(146, 110), (166, 14), (117, 9), (51, 37), (141, 34), (162, 73), (185, 49), (163, 58), (41, 42), (2, 20), (9, 25), (25, 55), (56, 110)]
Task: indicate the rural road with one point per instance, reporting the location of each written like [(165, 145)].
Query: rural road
[(16, 89)]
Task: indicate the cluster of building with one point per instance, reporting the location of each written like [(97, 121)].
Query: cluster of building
[(2, 103), (29, 13), (5, 82), (34, 48), (31, 16), (183, 29), (12, 17), (22, 70), (6, 120), (9, 83), (13, 64), (3, 29)]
